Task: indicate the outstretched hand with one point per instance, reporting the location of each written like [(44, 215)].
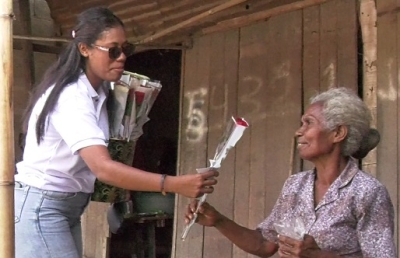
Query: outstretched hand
[(289, 247), (195, 185), (207, 215)]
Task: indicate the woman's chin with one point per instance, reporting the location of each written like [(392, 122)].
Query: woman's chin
[(304, 156), (114, 75)]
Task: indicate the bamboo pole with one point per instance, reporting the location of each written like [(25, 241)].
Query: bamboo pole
[(32, 38), (7, 132), (368, 20), (191, 20), (139, 47)]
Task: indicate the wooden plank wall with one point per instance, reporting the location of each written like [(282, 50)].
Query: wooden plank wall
[(329, 49), (388, 47), (277, 118), (265, 73), (95, 236)]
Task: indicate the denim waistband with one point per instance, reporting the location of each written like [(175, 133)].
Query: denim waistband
[(21, 185)]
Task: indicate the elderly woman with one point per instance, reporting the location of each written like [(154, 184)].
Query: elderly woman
[(345, 211)]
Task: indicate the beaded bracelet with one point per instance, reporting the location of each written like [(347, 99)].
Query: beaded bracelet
[(163, 176)]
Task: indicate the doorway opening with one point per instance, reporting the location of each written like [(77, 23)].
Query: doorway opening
[(155, 151)]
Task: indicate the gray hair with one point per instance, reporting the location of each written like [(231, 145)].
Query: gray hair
[(341, 106)]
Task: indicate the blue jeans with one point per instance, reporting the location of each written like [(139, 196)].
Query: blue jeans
[(48, 223)]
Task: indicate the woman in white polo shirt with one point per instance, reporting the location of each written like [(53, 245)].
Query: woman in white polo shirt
[(65, 151)]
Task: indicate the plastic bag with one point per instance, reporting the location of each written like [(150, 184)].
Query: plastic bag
[(293, 228)]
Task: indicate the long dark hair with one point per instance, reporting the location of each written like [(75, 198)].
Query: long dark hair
[(70, 64)]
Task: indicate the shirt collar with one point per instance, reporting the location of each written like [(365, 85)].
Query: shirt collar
[(348, 173), (343, 180), (96, 95)]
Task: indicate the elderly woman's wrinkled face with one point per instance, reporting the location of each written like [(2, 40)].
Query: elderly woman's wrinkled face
[(313, 139)]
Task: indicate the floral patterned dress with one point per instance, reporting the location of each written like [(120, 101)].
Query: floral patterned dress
[(355, 218)]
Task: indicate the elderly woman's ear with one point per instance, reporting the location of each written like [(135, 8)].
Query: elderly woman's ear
[(340, 133), (369, 142)]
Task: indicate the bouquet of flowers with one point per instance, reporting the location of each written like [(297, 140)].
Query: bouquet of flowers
[(129, 103)]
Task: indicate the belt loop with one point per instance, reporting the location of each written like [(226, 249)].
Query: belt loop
[(18, 184)]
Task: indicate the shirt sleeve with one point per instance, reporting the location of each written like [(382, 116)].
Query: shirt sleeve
[(266, 227), (375, 227), (74, 118)]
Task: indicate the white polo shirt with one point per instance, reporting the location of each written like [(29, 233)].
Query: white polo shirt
[(78, 120)]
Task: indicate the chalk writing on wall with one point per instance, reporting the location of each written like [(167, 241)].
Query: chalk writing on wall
[(250, 100), (329, 76), (219, 101), (390, 92), (196, 126)]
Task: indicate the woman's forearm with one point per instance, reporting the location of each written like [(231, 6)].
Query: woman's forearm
[(246, 239), (120, 175), (123, 176)]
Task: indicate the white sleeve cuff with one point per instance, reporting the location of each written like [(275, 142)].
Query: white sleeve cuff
[(85, 143)]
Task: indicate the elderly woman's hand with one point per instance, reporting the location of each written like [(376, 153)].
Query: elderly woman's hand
[(289, 247), (207, 215)]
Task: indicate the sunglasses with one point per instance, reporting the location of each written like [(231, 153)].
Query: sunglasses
[(115, 52)]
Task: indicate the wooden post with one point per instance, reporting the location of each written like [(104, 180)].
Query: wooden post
[(368, 21), (7, 132)]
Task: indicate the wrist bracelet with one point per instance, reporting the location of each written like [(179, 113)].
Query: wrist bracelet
[(163, 176)]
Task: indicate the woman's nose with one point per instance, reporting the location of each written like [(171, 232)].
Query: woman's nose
[(299, 131), (122, 57)]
